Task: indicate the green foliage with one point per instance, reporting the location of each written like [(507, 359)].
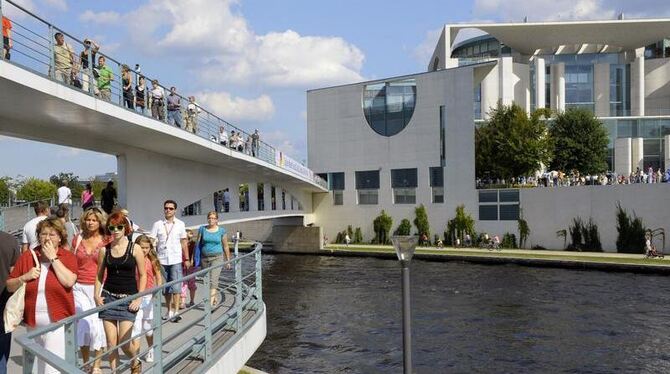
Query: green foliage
[(631, 232), (584, 236), (524, 230), (421, 220), (71, 180), (511, 143), (339, 239), (350, 232), (36, 189), (459, 226), (4, 190), (382, 227), (579, 142), (358, 236), (509, 241), (404, 228)]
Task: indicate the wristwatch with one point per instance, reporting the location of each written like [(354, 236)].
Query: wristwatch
[(53, 259)]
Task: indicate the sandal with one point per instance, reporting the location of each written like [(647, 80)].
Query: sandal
[(136, 367)]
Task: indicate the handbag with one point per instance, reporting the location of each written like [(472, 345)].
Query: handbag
[(13, 314), (197, 252)]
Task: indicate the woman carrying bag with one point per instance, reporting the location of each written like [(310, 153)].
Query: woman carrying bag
[(48, 288), (209, 250)]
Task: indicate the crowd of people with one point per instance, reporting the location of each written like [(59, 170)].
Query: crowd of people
[(105, 259), (249, 145), (555, 178)]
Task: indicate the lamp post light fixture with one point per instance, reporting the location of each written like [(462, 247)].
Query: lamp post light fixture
[(404, 247)]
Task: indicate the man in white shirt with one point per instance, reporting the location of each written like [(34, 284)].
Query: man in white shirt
[(29, 236), (172, 242), (64, 195)]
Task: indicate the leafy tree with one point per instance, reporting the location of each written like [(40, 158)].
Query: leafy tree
[(584, 236), (71, 180), (358, 236), (421, 220), (4, 190), (404, 228), (382, 227), (459, 226), (508, 241), (579, 142), (511, 143), (36, 189), (631, 232)]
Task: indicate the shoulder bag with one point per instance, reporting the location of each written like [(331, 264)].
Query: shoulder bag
[(13, 314)]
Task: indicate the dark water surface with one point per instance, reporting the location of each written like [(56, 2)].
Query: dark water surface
[(342, 315)]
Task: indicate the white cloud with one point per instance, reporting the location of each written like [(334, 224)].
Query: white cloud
[(285, 143), (231, 52), (14, 13), (57, 4), (102, 18), (236, 108), (424, 51)]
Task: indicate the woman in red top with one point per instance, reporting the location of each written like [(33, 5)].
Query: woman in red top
[(48, 296), (90, 331)]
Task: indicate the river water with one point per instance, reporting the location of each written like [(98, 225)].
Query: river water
[(342, 315)]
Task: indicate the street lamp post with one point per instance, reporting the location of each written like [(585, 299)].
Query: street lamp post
[(404, 247)]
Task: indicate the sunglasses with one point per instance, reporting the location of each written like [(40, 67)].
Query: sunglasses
[(168, 208), (113, 228)]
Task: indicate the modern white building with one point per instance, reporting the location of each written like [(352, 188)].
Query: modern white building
[(396, 143)]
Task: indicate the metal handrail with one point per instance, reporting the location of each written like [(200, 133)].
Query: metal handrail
[(205, 123), (248, 297)]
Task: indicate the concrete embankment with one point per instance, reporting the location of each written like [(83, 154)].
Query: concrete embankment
[(620, 262)]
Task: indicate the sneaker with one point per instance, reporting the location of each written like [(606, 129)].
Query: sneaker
[(150, 356), (190, 304), (168, 316), (176, 318)]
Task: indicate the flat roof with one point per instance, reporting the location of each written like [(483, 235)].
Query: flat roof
[(527, 37)]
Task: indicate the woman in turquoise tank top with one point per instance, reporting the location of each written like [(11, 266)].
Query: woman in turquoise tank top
[(212, 245)]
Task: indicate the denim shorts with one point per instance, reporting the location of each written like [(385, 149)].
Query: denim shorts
[(118, 312), (173, 272)]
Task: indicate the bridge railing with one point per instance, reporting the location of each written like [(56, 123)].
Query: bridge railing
[(34, 47), (198, 334)]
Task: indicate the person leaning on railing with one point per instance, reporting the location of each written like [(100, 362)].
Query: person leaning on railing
[(49, 297), (121, 259), (211, 246), (88, 73), (63, 59)]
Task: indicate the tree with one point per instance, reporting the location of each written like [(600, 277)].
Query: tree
[(631, 232), (71, 181), (421, 220), (358, 236), (579, 142), (511, 144), (4, 190), (460, 225), (36, 189), (382, 226), (524, 230), (404, 228)]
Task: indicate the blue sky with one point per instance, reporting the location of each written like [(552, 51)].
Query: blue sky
[(251, 61)]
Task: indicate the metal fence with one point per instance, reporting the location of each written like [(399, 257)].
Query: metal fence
[(195, 339), (35, 48)]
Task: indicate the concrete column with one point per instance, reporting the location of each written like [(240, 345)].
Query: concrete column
[(558, 87), (490, 92), (637, 83), (601, 85), (253, 197), (622, 156), (637, 153), (667, 152), (540, 94), (267, 198), (506, 80), (122, 183)]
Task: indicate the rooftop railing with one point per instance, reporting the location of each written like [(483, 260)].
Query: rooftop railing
[(204, 333), (34, 47)]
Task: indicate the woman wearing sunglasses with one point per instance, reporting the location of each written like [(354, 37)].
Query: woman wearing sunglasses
[(121, 259)]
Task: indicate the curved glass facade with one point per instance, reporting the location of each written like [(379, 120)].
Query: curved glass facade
[(388, 106)]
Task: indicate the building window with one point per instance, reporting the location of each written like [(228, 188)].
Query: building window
[(388, 106), (336, 184), (260, 195), (222, 201), (404, 183), (443, 125), (194, 209), (579, 87), (244, 197), (283, 200), (547, 86), (478, 101), (273, 197), (500, 205), (437, 184), (367, 187), (619, 90)]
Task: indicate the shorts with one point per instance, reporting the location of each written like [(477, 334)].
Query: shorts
[(144, 317), (173, 272), (215, 274), (118, 312)]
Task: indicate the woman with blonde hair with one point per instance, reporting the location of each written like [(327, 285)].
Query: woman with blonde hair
[(48, 292), (86, 247)]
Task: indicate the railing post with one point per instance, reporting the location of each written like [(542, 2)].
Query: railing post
[(71, 343), (259, 278), (158, 333), (28, 361), (52, 61), (91, 76), (208, 316), (238, 288)]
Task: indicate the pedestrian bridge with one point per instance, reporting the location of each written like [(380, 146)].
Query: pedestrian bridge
[(155, 161)]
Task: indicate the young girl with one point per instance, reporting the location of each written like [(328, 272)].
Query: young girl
[(188, 286), (145, 315)]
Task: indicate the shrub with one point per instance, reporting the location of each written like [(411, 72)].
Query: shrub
[(631, 232), (339, 239), (350, 232), (459, 226), (382, 227), (358, 236), (404, 228), (421, 220), (508, 241), (584, 236), (524, 230)]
